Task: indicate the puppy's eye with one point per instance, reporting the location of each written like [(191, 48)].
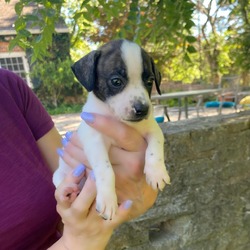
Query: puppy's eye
[(116, 82), (150, 81)]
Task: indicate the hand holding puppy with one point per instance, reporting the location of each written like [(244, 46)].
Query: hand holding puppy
[(83, 227), (127, 158)]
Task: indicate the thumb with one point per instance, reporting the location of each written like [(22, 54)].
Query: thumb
[(123, 213), (69, 188)]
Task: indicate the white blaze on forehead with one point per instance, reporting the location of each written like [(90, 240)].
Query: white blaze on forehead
[(131, 54)]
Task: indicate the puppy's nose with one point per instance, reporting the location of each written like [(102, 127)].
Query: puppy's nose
[(141, 110)]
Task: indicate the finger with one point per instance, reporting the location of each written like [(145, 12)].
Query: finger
[(74, 154), (69, 193), (69, 184), (86, 197), (125, 136), (123, 213), (75, 140), (67, 158)]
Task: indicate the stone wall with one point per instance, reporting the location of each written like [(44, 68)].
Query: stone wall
[(207, 207)]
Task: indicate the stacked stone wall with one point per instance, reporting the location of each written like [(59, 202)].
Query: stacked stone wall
[(207, 206)]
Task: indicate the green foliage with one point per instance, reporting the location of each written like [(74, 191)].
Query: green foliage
[(60, 46), (240, 35), (45, 17), (163, 27), (165, 23), (64, 109), (52, 78), (158, 25)]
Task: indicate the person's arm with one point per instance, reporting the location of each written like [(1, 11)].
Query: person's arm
[(37, 118), (48, 144)]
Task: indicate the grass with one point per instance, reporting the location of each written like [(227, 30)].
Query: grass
[(65, 109)]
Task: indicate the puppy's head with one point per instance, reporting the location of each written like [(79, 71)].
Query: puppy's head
[(121, 74)]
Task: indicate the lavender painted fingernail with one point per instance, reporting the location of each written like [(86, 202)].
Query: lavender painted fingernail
[(127, 204), (87, 117), (92, 175), (65, 141), (68, 135), (60, 152), (78, 171)]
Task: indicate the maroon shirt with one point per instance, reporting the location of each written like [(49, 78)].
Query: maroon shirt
[(28, 217)]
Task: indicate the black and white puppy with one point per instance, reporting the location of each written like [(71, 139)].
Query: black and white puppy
[(119, 77)]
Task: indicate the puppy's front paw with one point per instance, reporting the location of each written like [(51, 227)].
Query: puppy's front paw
[(157, 176), (106, 204)]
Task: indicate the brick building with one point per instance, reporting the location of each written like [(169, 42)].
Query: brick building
[(17, 60)]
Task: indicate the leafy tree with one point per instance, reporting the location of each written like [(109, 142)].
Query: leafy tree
[(159, 26), (240, 37), (162, 24), (224, 40), (51, 78), (164, 27), (46, 15)]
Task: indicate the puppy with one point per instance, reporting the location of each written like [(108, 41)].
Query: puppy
[(119, 77)]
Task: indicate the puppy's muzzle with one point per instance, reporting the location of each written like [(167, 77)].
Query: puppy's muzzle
[(139, 111)]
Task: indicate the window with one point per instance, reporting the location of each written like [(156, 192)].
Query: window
[(17, 63)]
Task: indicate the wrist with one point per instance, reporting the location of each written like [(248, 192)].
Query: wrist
[(85, 242)]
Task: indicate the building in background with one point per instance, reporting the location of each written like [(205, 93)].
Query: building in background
[(17, 60)]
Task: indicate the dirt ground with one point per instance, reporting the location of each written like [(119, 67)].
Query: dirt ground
[(70, 122)]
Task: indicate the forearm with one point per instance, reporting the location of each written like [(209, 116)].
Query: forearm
[(48, 145), (81, 242)]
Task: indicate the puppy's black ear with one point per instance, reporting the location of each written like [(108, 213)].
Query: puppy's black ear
[(85, 69), (157, 77)]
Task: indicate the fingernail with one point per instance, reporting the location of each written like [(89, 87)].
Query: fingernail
[(87, 117), (60, 152), (65, 141), (92, 175), (78, 171), (127, 204), (68, 135)]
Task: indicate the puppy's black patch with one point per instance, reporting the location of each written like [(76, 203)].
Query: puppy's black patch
[(150, 73), (111, 73), (85, 69), (104, 72)]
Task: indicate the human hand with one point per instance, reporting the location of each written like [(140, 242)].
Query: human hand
[(83, 227), (127, 158)]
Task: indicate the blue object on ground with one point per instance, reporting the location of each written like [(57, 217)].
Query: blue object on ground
[(213, 104), (159, 119), (216, 104)]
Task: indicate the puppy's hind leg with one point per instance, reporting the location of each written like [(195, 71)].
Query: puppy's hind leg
[(60, 173), (96, 147)]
